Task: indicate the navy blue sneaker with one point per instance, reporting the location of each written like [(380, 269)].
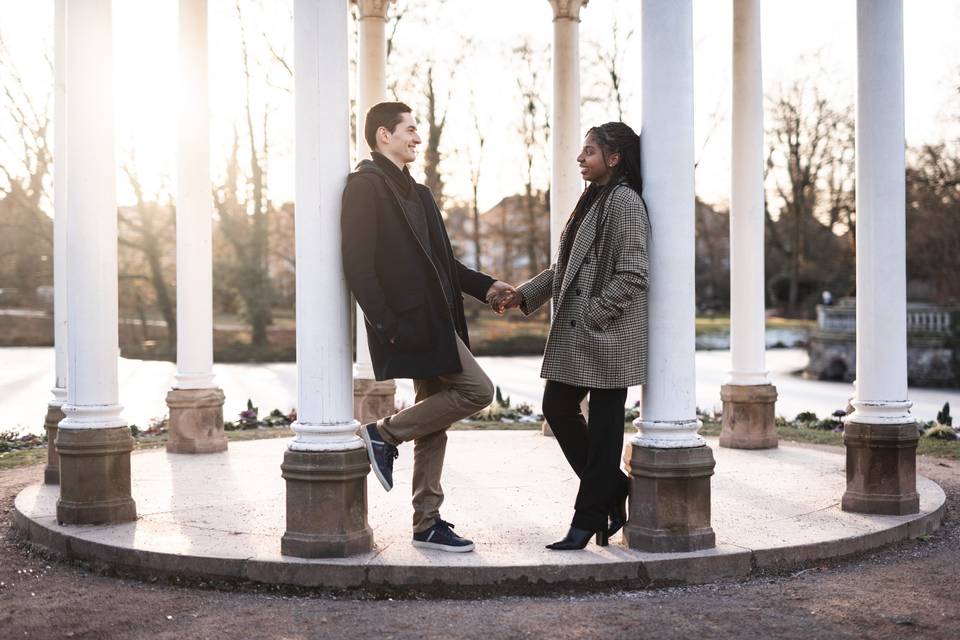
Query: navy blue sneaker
[(441, 537), (381, 454)]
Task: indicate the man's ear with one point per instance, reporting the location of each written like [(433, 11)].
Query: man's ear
[(382, 135)]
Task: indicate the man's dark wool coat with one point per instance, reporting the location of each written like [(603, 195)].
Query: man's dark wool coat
[(398, 279)]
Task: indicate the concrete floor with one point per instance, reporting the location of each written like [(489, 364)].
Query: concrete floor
[(27, 375), (222, 515)]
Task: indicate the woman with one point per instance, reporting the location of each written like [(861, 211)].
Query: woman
[(598, 336)]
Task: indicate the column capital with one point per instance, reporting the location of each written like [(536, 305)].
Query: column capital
[(372, 8), (567, 9)]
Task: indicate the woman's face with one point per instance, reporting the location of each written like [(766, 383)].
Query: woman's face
[(593, 166)]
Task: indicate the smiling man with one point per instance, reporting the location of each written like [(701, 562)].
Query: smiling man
[(400, 267)]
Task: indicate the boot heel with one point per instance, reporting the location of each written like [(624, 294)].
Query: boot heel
[(602, 537)]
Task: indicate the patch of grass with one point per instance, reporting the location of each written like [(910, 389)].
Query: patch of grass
[(949, 449), (22, 458)]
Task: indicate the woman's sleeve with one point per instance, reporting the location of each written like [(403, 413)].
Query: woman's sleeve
[(536, 291)]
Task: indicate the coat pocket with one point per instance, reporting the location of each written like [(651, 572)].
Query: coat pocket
[(412, 327)]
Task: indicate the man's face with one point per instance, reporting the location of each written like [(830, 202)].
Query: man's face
[(401, 144)]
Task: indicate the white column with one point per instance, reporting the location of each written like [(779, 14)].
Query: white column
[(371, 62), (194, 206), (322, 126), (93, 341), (668, 408), (747, 321), (60, 203), (371, 89), (565, 182), (881, 389)]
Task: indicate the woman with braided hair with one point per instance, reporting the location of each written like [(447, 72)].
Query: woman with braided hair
[(598, 335)]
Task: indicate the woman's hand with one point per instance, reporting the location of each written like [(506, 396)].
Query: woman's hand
[(503, 296)]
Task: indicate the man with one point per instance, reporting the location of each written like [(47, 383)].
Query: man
[(400, 267)]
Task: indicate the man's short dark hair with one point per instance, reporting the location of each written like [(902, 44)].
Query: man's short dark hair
[(385, 114)]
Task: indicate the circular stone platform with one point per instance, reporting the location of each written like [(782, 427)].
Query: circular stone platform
[(222, 515)]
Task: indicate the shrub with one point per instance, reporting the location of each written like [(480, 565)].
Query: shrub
[(941, 432), (823, 425), (944, 417), (806, 416)]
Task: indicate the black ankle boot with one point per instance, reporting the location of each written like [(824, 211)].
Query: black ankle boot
[(618, 515), (578, 539)]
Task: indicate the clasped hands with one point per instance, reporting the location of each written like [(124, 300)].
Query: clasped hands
[(502, 296)]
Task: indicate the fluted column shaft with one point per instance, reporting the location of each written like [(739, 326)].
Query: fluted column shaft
[(194, 206), (747, 322), (60, 203), (322, 124), (92, 305), (565, 183), (51, 422)]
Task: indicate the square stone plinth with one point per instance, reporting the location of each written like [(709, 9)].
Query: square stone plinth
[(373, 399), (669, 499), (95, 476), (51, 473), (196, 421), (881, 468), (748, 416), (326, 504)]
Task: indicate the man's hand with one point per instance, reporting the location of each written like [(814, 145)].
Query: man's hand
[(502, 296)]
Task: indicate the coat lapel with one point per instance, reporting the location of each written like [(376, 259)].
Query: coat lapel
[(582, 244), (399, 202)]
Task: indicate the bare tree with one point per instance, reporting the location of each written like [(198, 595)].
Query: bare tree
[(608, 58), (535, 131), (148, 229), (807, 137), (933, 219), (476, 164), (24, 225), (436, 120), (243, 207)]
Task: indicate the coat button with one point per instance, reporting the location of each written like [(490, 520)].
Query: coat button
[(578, 291), (586, 261), (573, 323)]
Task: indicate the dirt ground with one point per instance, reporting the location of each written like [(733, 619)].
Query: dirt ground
[(911, 590)]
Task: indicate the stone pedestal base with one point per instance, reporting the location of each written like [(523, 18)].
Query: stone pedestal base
[(881, 468), (748, 416), (51, 473), (669, 499), (196, 421), (95, 476), (326, 504), (373, 400)]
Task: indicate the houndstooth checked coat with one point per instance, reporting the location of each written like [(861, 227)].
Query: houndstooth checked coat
[(598, 337)]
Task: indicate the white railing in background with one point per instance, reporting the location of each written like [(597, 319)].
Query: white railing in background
[(921, 318)]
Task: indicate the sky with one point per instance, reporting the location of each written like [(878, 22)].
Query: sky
[(472, 43)]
